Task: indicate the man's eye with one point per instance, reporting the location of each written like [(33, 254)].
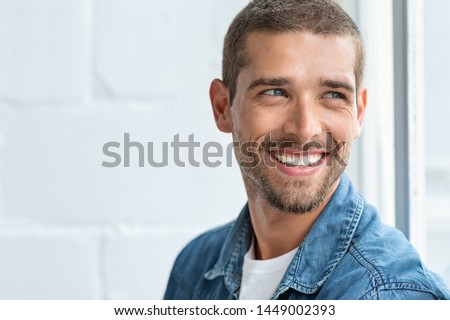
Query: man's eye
[(334, 95), (275, 92)]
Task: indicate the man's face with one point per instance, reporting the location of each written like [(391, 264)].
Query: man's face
[(297, 105)]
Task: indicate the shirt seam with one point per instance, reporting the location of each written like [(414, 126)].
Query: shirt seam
[(397, 286), (380, 283), (367, 264)]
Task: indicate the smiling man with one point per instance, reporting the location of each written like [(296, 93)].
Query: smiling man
[(292, 98)]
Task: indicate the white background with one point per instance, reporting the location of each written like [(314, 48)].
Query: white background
[(76, 74)]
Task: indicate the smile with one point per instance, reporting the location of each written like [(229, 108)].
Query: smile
[(299, 163), (299, 160)]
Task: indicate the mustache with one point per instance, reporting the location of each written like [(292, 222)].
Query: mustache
[(271, 143)]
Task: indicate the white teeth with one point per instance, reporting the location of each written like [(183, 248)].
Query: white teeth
[(314, 158), (300, 161)]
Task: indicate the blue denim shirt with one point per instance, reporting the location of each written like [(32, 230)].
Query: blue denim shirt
[(348, 254)]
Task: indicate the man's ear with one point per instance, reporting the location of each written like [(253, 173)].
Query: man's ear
[(219, 95), (361, 109)]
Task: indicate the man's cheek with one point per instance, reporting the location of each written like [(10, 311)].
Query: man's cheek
[(336, 150), (249, 155)]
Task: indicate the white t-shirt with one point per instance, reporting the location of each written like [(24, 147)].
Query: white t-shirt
[(260, 278)]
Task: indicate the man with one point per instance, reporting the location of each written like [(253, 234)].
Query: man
[(292, 98)]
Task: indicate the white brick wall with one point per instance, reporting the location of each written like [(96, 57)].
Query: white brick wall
[(43, 54), (76, 74)]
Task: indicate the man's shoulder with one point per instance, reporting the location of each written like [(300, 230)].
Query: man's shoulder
[(382, 264), (391, 269), (194, 261), (210, 242), (206, 246)]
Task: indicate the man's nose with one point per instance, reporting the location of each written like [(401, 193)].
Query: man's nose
[(304, 120)]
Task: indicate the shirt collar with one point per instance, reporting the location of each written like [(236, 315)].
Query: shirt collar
[(326, 243), (320, 252)]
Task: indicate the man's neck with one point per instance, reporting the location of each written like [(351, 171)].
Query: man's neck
[(278, 232)]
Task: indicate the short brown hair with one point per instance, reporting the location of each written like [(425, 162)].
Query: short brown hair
[(278, 16)]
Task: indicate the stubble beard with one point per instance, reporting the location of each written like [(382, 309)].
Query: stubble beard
[(291, 194)]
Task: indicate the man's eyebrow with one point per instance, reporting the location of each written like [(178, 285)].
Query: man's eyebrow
[(337, 85), (268, 82)]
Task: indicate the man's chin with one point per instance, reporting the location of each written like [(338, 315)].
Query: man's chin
[(296, 202), (299, 195)]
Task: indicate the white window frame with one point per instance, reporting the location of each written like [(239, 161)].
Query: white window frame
[(409, 115)]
